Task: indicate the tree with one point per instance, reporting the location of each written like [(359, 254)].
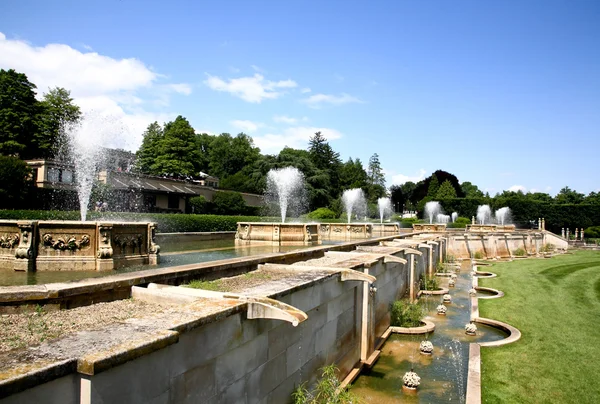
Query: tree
[(328, 162), (353, 175), (229, 155), (375, 179), (19, 116), (148, 151), (59, 113), (434, 186), (14, 181), (568, 195), (446, 191), (228, 203), (470, 190), (176, 150)]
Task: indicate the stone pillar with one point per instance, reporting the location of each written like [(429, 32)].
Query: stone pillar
[(472, 219), (153, 248), (26, 253), (582, 234), (412, 278), (576, 233), (543, 224), (104, 253), (568, 231), (539, 223), (562, 232)]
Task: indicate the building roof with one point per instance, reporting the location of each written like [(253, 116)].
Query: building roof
[(124, 180)]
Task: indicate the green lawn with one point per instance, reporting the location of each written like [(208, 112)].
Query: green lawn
[(556, 305)]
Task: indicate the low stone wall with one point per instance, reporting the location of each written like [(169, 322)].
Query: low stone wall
[(213, 352), (493, 245), (74, 245)]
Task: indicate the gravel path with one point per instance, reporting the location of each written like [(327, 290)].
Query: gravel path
[(26, 329)]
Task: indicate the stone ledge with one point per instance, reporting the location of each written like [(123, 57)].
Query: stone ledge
[(498, 293), (30, 375), (424, 329), (513, 333), (441, 291)]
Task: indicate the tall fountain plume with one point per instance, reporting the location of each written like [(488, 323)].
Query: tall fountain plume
[(484, 214), (432, 209), (354, 203), (442, 219), (454, 216), (385, 208), (287, 191), (503, 216)]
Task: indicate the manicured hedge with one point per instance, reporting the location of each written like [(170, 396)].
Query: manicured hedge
[(167, 222)]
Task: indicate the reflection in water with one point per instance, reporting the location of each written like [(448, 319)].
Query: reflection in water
[(173, 254), (443, 374)]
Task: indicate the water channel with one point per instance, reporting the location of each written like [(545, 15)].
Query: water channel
[(443, 374)]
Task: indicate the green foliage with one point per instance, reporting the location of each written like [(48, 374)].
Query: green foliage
[(429, 283), (60, 113), (548, 247), (460, 223), (176, 150), (471, 190), (445, 191), (408, 221), (520, 252), (353, 175), (146, 154), (478, 255), (405, 314), (15, 181), (450, 258), (592, 232), (166, 222), (433, 188), (228, 203), (567, 195), (199, 204), (321, 214), (20, 114), (327, 390), (206, 285)]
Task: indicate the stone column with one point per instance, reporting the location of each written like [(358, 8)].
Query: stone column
[(153, 248), (568, 231), (562, 232), (539, 223), (582, 234), (472, 219), (576, 233), (104, 253), (543, 224), (26, 251)]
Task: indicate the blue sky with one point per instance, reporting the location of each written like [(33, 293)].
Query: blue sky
[(504, 94)]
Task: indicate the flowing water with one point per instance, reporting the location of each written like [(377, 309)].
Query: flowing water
[(385, 208), (432, 209), (286, 192), (443, 374), (355, 203)]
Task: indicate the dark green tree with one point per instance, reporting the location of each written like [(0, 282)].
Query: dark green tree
[(15, 181), (176, 151), (446, 191), (568, 195), (353, 175), (375, 179), (59, 114), (149, 149), (328, 162), (434, 186), (20, 114), (470, 190), (229, 155)]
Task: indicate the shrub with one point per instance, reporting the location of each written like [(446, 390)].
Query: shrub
[(592, 232), (450, 258), (405, 314), (519, 252), (429, 283), (15, 181), (199, 204), (548, 247), (327, 390), (478, 255), (321, 214), (460, 223), (228, 203)]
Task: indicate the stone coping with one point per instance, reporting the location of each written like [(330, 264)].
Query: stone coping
[(497, 293), (32, 294), (440, 291), (428, 327), (482, 274), (513, 333)]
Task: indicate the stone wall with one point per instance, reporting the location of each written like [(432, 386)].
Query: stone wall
[(500, 244), (228, 358)]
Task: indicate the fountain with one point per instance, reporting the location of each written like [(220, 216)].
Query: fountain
[(433, 210), (426, 347), (385, 211), (485, 220), (355, 205), (454, 216), (80, 245), (286, 192)]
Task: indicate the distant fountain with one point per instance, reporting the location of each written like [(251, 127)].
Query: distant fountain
[(484, 214), (385, 208), (454, 216), (354, 203), (442, 219), (431, 211), (286, 190), (286, 195), (503, 216)]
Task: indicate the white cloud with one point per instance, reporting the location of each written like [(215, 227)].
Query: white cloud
[(318, 100), (516, 188), (399, 179), (296, 137), (246, 126), (305, 90), (257, 69), (285, 119), (252, 89), (107, 89)]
